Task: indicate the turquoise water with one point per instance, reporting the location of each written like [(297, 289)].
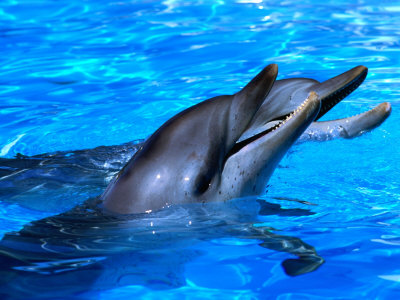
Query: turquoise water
[(81, 74)]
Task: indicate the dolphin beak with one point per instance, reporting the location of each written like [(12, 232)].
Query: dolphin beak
[(333, 90), (298, 121), (356, 125), (285, 132)]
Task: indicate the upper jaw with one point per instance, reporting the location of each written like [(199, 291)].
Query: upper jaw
[(285, 130), (297, 121), (333, 90)]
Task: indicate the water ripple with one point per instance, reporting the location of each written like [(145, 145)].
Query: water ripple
[(76, 75)]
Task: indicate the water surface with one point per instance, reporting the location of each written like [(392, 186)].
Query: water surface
[(81, 74)]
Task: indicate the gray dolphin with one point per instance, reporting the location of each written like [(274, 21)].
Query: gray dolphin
[(195, 157), (223, 148), (228, 146), (293, 91)]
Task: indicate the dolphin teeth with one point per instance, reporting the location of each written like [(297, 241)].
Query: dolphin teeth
[(289, 116)]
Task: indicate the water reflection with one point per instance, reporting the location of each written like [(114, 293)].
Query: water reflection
[(84, 248)]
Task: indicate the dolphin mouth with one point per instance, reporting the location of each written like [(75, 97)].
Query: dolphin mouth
[(243, 143), (272, 126), (330, 93), (334, 90)]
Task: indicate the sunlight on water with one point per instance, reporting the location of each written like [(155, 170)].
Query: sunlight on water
[(77, 75)]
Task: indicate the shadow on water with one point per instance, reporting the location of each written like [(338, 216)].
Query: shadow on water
[(84, 249), (68, 178)]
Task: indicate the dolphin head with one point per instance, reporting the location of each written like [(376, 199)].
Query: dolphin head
[(194, 156), (293, 91)]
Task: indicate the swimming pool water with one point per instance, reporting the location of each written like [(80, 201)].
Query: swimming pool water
[(80, 74)]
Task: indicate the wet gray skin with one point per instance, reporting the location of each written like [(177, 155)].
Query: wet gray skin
[(331, 92), (196, 156)]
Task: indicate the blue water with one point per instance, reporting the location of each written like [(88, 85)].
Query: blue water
[(81, 74)]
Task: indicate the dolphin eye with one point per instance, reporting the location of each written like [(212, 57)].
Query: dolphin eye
[(202, 184)]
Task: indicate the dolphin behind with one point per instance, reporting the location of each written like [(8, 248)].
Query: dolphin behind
[(226, 147), (196, 157), (293, 91)]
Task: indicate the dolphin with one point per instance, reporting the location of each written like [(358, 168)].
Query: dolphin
[(227, 147), (292, 92), (195, 157), (223, 148), (283, 98)]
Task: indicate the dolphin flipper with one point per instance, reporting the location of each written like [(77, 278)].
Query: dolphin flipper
[(302, 265), (347, 127), (308, 259)]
